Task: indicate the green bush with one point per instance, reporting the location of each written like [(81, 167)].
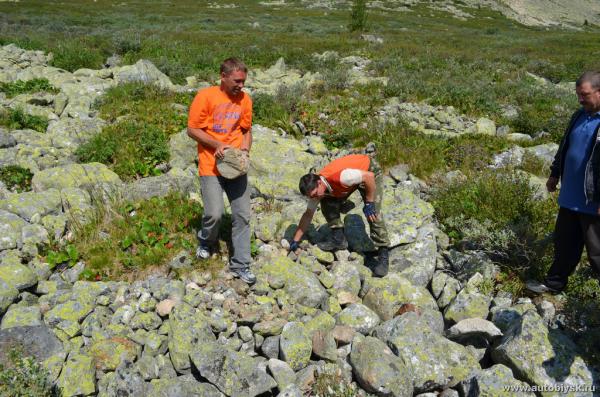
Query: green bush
[(358, 16), (495, 211), (15, 88), (16, 178), (280, 110), (83, 52), (17, 119), (130, 148), (148, 104), (24, 377), (130, 237)]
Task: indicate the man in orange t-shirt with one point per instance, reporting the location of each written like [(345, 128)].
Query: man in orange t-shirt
[(330, 187), (221, 118)]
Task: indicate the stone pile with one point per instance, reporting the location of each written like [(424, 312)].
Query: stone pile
[(430, 327)]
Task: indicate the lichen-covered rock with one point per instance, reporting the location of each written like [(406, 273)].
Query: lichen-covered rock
[(323, 321), (324, 345), (175, 181), (17, 276), (347, 277), (70, 132), (8, 294), (505, 317), (109, 353), (21, 316), (416, 262), (283, 374), (232, 372), (182, 386), (11, 226), (295, 345), (359, 317), (473, 327), (467, 304), (300, 284), (148, 321), (188, 327), (183, 150), (541, 356), (434, 361), (94, 177), (142, 71), (496, 381), (28, 204), (378, 370), (78, 376), (386, 295), (126, 381), (466, 265), (73, 311), (270, 148)]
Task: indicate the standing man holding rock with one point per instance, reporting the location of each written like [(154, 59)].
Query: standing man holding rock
[(220, 118), (577, 166), (331, 187)]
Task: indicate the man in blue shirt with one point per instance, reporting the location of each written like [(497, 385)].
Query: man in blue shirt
[(577, 166)]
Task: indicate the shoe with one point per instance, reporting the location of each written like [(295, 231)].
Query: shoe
[(244, 274), (540, 288), (337, 242), (203, 251), (383, 262)]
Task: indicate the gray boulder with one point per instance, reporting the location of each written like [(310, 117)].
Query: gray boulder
[(497, 380), (187, 328), (541, 356), (378, 370), (300, 283), (78, 376), (295, 345), (176, 180), (359, 317), (434, 361), (142, 71), (182, 386), (231, 372), (94, 177), (28, 204)]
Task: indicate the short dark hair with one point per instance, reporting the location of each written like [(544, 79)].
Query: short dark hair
[(233, 64), (592, 77), (308, 183)]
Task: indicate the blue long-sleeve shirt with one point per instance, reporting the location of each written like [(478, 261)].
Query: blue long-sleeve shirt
[(581, 142)]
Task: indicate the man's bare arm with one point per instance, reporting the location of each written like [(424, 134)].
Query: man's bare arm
[(246, 139), (370, 187), (303, 224), (202, 137)]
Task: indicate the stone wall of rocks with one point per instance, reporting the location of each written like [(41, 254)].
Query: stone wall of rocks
[(428, 328)]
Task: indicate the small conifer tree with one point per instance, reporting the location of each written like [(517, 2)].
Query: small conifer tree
[(358, 16)]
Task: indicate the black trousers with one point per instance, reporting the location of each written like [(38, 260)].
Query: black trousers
[(572, 232)]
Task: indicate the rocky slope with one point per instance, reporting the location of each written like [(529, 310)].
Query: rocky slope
[(428, 328)]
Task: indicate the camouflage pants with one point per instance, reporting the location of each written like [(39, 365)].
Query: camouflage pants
[(332, 208)]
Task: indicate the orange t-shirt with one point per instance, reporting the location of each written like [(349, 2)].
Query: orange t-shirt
[(223, 118), (333, 171)]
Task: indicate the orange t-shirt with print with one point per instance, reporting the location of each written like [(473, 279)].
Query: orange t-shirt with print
[(223, 118)]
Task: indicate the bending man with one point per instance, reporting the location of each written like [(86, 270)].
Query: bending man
[(331, 187)]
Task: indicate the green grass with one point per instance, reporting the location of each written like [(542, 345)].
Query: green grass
[(17, 119), (24, 377), (15, 88), (131, 238), (143, 117), (16, 178)]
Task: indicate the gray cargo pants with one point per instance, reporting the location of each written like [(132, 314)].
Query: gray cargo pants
[(238, 194)]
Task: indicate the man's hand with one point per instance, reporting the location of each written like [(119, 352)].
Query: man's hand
[(294, 245), (219, 151), (551, 184), (370, 211)]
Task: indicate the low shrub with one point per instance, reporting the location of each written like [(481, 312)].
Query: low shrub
[(132, 149), (280, 110), (82, 52), (358, 16), (15, 88), (128, 238), (495, 211), (16, 178), (148, 104), (17, 119), (24, 377)]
